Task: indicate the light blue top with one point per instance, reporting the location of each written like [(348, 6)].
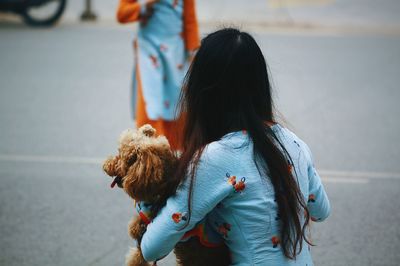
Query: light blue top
[(162, 59), (238, 202)]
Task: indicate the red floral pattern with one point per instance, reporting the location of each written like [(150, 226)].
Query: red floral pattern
[(154, 60), (275, 241), (224, 229), (238, 186), (311, 198), (177, 217)]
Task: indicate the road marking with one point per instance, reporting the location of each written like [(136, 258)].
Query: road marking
[(359, 174), (50, 159), (344, 180), (330, 176)]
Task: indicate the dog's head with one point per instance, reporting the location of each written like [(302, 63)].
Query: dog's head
[(144, 164)]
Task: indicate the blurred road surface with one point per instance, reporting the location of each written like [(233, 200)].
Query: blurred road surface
[(64, 99), (334, 15), (315, 12)]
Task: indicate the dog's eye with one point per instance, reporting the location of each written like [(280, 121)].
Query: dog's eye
[(132, 160)]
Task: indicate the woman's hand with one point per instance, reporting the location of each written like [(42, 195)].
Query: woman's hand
[(149, 10)]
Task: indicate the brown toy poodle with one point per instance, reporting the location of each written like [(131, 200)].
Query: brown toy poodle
[(144, 168)]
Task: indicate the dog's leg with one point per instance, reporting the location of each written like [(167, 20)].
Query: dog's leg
[(136, 228), (135, 258)]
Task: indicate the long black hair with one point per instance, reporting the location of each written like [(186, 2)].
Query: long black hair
[(226, 89)]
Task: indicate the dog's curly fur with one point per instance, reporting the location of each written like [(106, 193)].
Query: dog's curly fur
[(144, 169)]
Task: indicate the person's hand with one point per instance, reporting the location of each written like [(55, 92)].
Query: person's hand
[(149, 11), (150, 3)]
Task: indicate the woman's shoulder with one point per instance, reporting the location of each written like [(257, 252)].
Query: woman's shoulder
[(214, 153), (288, 137), (226, 150)]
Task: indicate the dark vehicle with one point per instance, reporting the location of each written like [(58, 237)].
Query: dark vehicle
[(35, 12)]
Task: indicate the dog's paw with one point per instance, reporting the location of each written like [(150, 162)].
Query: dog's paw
[(135, 258)]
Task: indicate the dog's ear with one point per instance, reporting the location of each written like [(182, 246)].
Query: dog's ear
[(114, 166), (144, 176), (110, 166)]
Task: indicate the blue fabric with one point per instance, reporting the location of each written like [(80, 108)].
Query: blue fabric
[(238, 202), (162, 59)]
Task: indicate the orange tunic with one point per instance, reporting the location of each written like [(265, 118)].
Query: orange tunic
[(129, 11)]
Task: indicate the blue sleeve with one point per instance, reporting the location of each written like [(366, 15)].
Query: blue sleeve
[(210, 187), (318, 202)]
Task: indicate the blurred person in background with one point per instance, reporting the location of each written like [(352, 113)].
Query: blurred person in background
[(166, 40)]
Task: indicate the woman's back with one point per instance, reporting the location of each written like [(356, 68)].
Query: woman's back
[(241, 200), (248, 217)]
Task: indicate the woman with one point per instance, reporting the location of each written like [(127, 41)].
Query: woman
[(251, 179), (167, 38)]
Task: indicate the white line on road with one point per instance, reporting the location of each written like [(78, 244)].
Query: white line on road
[(359, 174), (344, 180), (330, 176), (50, 159)]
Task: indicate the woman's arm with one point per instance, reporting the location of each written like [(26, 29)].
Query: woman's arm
[(128, 11), (210, 188), (135, 10), (190, 26), (318, 202)]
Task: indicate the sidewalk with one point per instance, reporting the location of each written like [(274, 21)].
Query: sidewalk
[(298, 15)]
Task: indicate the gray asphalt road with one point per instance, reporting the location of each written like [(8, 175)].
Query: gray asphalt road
[(319, 12), (64, 99)]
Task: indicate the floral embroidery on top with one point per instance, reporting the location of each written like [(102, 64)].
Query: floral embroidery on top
[(224, 229), (237, 186), (166, 104), (177, 217), (315, 219), (240, 186), (154, 60), (231, 179), (175, 3), (290, 168), (275, 241), (163, 48), (311, 198)]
